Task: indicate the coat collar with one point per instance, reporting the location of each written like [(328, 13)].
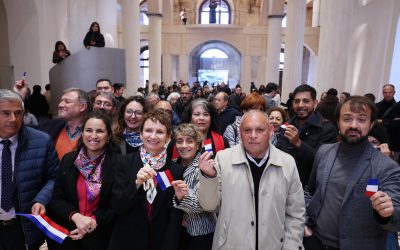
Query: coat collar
[(239, 156)]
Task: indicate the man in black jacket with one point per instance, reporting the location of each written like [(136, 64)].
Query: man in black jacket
[(389, 116), (306, 131)]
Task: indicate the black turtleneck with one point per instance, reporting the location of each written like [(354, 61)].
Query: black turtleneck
[(328, 221)]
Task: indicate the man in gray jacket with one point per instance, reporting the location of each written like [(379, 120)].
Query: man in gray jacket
[(341, 215), (256, 190)]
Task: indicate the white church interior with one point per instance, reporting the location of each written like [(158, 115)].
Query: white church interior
[(350, 45)]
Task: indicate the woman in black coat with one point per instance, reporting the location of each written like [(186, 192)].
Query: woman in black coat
[(94, 37), (146, 220), (83, 188)]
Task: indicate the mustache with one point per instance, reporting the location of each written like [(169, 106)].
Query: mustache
[(353, 130)]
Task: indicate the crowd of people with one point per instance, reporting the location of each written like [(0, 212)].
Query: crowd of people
[(200, 166)]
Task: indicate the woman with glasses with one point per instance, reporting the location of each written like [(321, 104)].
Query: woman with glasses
[(142, 198), (130, 119)]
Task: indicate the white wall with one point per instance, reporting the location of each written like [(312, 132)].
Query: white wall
[(395, 70)]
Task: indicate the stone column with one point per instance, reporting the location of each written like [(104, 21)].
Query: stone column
[(316, 13), (106, 12), (131, 43), (273, 48), (183, 67), (294, 40), (245, 76), (167, 69), (155, 22)]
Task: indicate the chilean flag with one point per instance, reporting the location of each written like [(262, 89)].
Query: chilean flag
[(372, 187), (208, 145), (48, 227), (164, 179)]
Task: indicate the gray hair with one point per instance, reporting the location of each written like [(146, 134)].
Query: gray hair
[(82, 95), (108, 96), (10, 96), (173, 95), (253, 112)]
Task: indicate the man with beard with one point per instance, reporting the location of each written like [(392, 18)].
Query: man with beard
[(183, 101), (306, 131), (341, 214)]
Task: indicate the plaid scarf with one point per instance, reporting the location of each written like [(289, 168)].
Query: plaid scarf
[(90, 169)]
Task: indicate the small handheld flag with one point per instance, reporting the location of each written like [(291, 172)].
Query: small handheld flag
[(284, 126), (372, 187), (208, 145), (164, 179), (48, 227)]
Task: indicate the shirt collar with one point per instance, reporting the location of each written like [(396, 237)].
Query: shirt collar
[(262, 161), (13, 139)]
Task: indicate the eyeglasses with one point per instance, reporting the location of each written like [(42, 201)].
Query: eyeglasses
[(104, 104), (130, 112)]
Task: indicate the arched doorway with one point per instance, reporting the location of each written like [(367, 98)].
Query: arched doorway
[(215, 62)]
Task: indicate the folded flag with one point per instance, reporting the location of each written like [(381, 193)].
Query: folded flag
[(372, 187), (48, 227), (208, 145), (164, 179)]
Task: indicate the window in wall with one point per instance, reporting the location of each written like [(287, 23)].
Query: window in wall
[(144, 7), (284, 20), (144, 65), (215, 11), (213, 66)]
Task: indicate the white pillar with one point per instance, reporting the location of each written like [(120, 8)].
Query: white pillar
[(316, 13), (106, 12), (245, 76), (131, 43), (183, 67), (167, 69), (273, 48), (294, 40), (155, 22)]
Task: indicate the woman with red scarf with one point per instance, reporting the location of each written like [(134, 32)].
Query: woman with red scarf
[(83, 188)]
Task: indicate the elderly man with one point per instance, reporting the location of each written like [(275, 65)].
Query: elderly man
[(389, 116), (256, 190), (66, 130), (226, 114), (340, 214), (28, 169)]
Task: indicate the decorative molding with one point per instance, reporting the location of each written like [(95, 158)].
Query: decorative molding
[(276, 16), (150, 14)]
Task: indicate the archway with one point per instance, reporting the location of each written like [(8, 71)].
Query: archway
[(215, 61)]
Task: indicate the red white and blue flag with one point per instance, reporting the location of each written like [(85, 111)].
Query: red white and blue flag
[(372, 187), (208, 145), (48, 227), (164, 179)]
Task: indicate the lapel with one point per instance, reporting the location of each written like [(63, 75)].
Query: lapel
[(72, 174), (108, 177), (162, 195), (362, 165), (327, 167)]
